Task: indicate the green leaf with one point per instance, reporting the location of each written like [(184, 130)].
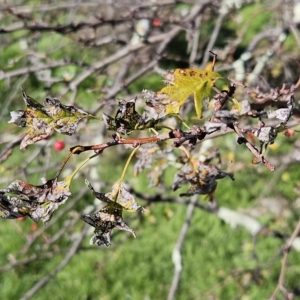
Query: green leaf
[(184, 82)]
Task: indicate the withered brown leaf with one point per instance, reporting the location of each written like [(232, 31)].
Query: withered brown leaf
[(128, 119), (108, 218), (104, 221), (120, 195), (38, 202), (43, 119), (201, 176)]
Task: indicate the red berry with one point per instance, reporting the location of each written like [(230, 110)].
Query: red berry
[(289, 132), (34, 227), (156, 22), (59, 145), (21, 219)]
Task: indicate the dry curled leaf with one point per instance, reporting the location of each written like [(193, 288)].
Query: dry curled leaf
[(127, 119), (108, 218), (104, 221), (43, 119), (201, 176), (157, 101), (120, 195), (266, 134), (38, 202)]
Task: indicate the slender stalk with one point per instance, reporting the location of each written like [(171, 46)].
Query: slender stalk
[(70, 177), (63, 164), (72, 151), (186, 151), (128, 162)]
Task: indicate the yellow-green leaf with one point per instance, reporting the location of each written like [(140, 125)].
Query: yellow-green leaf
[(184, 82)]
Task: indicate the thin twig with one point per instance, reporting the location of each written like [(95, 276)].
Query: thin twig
[(34, 69), (195, 40), (213, 39), (252, 148), (73, 250), (27, 260), (286, 250), (176, 256)]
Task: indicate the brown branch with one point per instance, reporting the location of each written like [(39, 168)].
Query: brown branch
[(286, 250), (33, 69), (252, 148), (119, 140), (73, 250), (176, 255)]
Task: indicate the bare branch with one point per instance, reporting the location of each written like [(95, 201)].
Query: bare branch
[(176, 255), (43, 281), (286, 250)]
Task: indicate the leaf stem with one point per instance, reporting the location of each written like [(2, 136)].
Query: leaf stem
[(182, 121), (63, 164), (69, 178), (72, 151), (187, 152), (127, 163)]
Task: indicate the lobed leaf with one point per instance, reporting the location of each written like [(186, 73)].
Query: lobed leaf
[(38, 202), (108, 218), (201, 176), (43, 119), (104, 221), (127, 119), (181, 84)]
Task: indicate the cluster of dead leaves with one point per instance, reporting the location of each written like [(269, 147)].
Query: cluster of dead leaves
[(127, 119), (39, 202)]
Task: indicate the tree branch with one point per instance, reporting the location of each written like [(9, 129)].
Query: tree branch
[(43, 281), (176, 255)]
